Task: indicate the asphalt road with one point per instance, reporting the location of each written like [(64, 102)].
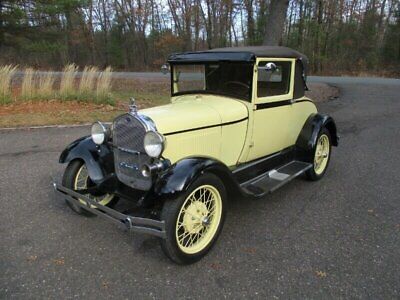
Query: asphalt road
[(336, 238)]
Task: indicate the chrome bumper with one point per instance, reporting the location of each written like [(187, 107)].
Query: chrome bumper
[(126, 222)]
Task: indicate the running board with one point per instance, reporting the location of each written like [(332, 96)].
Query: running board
[(273, 179)]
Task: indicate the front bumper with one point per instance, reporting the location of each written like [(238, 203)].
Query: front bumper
[(124, 221)]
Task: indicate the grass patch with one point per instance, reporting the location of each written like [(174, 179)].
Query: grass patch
[(67, 88), (6, 75), (28, 89), (92, 86), (95, 91), (45, 89)]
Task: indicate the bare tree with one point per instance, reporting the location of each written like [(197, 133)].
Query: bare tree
[(275, 22)]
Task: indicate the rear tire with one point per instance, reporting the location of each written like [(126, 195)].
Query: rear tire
[(321, 156), (194, 220), (74, 169)]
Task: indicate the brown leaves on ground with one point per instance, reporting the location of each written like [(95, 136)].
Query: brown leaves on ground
[(51, 106)]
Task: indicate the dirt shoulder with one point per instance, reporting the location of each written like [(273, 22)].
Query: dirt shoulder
[(321, 92), (147, 92)]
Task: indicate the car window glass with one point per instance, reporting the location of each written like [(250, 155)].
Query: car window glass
[(273, 82), (223, 78), (190, 77)]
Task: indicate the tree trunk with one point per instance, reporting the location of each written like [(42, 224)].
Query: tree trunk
[(250, 22), (301, 24), (105, 32), (275, 22)]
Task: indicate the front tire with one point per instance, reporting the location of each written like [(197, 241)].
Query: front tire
[(76, 177), (194, 220)]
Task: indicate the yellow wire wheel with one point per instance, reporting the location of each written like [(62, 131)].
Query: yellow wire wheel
[(81, 183), (321, 156), (198, 219), (194, 219)]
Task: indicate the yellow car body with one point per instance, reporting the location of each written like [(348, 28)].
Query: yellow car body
[(230, 130)]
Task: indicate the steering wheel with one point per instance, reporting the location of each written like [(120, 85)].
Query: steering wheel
[(241, 84)]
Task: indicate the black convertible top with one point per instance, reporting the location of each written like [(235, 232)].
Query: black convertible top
[(244, 54), (248, 55)]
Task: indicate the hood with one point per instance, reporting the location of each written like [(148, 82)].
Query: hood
[(195, 111)]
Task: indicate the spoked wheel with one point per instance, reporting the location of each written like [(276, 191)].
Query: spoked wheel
[(322, 154), (76, 177), (194, 220)]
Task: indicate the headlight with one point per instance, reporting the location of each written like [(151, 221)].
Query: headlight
[(99, 133), (153, 144)]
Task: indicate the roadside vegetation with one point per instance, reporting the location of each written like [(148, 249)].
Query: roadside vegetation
[(30, 97), (6, 75), (92, 85)]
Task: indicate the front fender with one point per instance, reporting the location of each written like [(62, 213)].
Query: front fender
[(99, 160), (178, 178)]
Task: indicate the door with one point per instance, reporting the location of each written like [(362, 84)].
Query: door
[(273, 88)]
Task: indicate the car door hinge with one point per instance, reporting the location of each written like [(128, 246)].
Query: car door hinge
[(251, 144)]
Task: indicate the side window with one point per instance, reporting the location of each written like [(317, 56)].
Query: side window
[(273, 82)]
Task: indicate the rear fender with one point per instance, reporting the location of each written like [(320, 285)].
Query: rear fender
[(307, 138), (99, 159)]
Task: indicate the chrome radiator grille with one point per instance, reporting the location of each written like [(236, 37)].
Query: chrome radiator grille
[(129, 153)]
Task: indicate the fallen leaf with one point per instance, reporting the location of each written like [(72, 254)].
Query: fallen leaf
[(105, 284), (250, 250), (59, 262), (216, 266), (320, 274), (32, 258)]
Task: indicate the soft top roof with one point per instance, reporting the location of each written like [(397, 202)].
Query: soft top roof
[(248, 55), (243, 54)]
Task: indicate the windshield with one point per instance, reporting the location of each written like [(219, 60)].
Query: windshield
[(224, 78)]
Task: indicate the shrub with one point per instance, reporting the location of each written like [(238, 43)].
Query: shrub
[(6, 75), (67, 88), (103, 88), (28, 84), (88, 79), (45, 86)]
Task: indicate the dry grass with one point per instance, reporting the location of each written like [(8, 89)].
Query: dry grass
[(103, 88), (67, 85), (6, 75), (92, 87), (88, 80), (45, 89), (28, 88)]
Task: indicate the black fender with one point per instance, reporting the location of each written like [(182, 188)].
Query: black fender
[(178, 177), (99, 159), (307, 138)]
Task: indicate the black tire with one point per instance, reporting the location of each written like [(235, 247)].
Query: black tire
[(170, 213), (311, 173), (68, 180)]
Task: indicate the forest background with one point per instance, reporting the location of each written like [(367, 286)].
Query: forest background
[(352, 37)]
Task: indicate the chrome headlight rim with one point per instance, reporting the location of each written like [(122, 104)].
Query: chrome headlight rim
[(99, 133), (154, 136)]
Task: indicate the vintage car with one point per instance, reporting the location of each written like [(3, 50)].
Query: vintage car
[(238, 124)]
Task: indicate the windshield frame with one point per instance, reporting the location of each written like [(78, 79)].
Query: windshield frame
[(247, 98)]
